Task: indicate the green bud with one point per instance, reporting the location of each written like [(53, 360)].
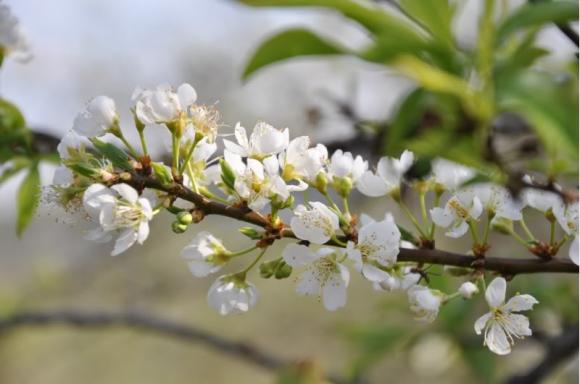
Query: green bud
[(283, 270), (184, 217), (502, 225), (162, 173), (342, 185), (177, 227), (267, 269), (320, 182), (228, 176), (251, 233)]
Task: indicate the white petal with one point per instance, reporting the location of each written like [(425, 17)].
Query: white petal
[(458, 230), (126, 191), (519, 325), (186, 94), (374, 274), (308, 283), (298, 255), (495, 293), (372, 185), (125, 240), (334, 292), (481, 322), (520, 303), (573, 253), (441, 217), (496, 340), (143, 232)]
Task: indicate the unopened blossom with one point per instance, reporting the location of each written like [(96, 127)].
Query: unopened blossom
[(456, 214), (467, 290), (118, 210), (316, 224), (300, 162), (501, 325), (343, 165), (99, 117), (399, 279), (264, 141), (450, 175), (12, 40), (497, 200), (377, 246), (232, 294), (388, 177), (163, 105), (69, 144), (424, 303), (205, 254), (567, 216), (324, 276)]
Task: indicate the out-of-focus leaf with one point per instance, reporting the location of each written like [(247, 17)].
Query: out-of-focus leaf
[(435, 15), (289, 44), (16, 165), (537, 14), (162, 173), (374, 343), (117, 157), (14, 137), (373, 17), (306, 372), (481, 362), (407, 235), (550, 105), (27, 199)]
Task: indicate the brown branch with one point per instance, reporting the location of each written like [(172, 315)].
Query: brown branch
[(505, 266), (152, 324)]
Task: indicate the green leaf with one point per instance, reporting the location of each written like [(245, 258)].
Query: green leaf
[(162, 173), (373, 17), (14, 137), (228, 175), (16, 165), (117, 156), (435, 15), (27, 198), (537, 14), (288, 44)]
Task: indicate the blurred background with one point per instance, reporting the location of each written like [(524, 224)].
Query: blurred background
[(92, 47)]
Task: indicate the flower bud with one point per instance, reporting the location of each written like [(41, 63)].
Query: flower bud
[(502, 225), (177, 227), (468, 289), (251, 233), (228, 175), (184, 217), (320, 182), (282, 271), (342, 185), (268, 269)]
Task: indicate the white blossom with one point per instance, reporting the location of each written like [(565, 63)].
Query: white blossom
[(344, 165), (541, 200), (300, 162), (567, 216), (70, 143), (377, 246), (232, 294), (100, 115), (118, 209), (501, 324), (264, 141), (449, 174), (467, 290), (163, 104), (205, 254), (12, 39), (573, 251), (424, 303), (458, 210), (205, 121), (399, 279), (388, 176), (316, 224), (497, 200), (324, 276)]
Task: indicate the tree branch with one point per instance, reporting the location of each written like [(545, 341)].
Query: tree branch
[(152, 324), (505, 266)]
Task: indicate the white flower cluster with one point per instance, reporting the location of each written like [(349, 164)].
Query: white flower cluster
[(260, 174)]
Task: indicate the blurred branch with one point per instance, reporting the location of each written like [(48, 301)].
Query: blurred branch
[(570, 33), (149, 323), (558, 349)]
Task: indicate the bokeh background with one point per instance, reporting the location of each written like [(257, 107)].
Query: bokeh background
[(92, 47)]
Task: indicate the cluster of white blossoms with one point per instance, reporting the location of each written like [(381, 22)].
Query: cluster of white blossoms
[(12, 40), (259, 176)]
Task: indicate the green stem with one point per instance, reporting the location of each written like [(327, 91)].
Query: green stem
[(175, 152), (552, 231), (253, 263), (332, 203), (423, 207), (345, 205), (143, 142), (242, 252), (192, 177), (412, 217), (337, 241), (519, 239), (435, 204), (132, 151), (473, 230), (490, 216), (527, 230), (188, 155)]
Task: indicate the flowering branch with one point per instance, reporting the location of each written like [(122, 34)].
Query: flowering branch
[(505, 266)]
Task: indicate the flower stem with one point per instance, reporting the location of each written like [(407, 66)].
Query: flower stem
[(519, 239), (253, 263), (192, 177), (412, 217), (436, 204), (143, 142), (242, 252), (552, 231), (473, 230), (527, 230), (490, 216), (337, 241), (423, 207), (188, 155), (175, 152), (132, 151), (345, 205)]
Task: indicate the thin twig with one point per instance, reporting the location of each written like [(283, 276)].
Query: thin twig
[(149, 323)]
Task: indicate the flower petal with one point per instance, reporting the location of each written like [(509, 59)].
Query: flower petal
[(495, 293), (520, 303), (481, 322), (298, 255), (497, 341), (126, 191)]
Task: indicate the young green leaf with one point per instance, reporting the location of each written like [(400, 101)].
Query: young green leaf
[(288, 44), (27, 199), (118, 157), (435, 15)]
